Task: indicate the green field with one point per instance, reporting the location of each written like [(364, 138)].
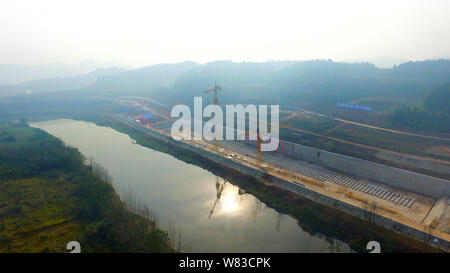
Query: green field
[(37, 215), (366, 136), (49, 197)]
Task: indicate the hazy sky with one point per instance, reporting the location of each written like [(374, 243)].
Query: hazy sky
[(139, 33)]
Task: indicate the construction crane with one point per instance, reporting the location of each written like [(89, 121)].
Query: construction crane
[(259, 154), (219, 190), (216, 89)]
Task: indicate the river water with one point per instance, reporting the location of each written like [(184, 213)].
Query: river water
[(182, 195)]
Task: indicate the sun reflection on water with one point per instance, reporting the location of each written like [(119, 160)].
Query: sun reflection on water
[(230, 203)]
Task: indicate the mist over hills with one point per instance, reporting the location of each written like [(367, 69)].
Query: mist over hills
[(141, 80), (412, 94), (57, 84), (316, 83), (12, 74), (382, 61)]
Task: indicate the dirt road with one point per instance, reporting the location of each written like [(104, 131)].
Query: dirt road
[(370, 147), (391, 131)]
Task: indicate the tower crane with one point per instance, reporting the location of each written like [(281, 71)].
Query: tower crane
[(216, 89), (219, 190), (259, 154)]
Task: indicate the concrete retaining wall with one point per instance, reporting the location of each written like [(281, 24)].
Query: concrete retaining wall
[(359, 212), (402, 179), (416, 162), (299, 189)]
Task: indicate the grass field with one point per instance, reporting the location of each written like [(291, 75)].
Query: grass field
[(37, 215), (49, 197), (367, 136)]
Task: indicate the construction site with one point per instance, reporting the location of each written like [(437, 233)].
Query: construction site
[(411, 203)]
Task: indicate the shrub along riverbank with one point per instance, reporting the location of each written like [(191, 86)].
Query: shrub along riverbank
[(49, 196)]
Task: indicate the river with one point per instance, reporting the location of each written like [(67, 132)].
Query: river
[(182, 195)]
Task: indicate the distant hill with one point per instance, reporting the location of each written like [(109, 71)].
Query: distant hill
[(379, 61), (409, 95), (11, 74), (438, 100), (58, 84), (315, 84), (433, 114), (318, 83), (138, 81), (429, 69)]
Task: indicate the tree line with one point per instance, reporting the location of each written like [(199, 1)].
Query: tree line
[(433, 114)]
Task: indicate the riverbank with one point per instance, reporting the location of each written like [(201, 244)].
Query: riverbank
[(49, 196), (313, 217)]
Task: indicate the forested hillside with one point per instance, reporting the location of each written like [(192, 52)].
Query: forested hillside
[(312, 82), (433, 114)]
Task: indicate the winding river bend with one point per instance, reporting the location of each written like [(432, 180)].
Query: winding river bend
[(182, 195)]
